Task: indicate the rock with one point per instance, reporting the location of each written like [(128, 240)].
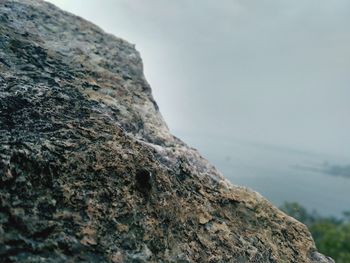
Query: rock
[(204, 218), (89, 171)]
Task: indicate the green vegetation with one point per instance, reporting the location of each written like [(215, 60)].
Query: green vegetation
[(331, 235)]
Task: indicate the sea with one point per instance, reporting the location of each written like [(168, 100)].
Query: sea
[(280, 174)]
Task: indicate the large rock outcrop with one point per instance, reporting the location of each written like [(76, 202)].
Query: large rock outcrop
[(89, 171)]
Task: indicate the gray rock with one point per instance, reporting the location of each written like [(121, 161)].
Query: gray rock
[(89, 171)]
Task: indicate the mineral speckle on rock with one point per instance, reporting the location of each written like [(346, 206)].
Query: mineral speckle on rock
[(82, 141)]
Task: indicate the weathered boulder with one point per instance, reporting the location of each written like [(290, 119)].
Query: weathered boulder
[(89, 171)]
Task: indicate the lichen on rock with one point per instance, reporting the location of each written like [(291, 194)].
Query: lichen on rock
[(89, 171)]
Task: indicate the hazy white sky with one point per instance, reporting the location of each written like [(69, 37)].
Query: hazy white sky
[(271, 71)]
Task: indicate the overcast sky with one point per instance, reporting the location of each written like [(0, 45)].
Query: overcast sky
[(269, 71)]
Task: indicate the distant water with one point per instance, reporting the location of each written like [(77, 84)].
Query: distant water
[(273, 172)]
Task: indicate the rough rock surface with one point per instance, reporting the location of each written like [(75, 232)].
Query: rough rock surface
[(89, 171)]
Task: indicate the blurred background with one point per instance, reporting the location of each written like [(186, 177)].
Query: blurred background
[(260, 88)]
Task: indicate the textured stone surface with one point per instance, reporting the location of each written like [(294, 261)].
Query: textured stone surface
[(89, 171)]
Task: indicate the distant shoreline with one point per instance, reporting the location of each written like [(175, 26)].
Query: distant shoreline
[(331, 169)]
